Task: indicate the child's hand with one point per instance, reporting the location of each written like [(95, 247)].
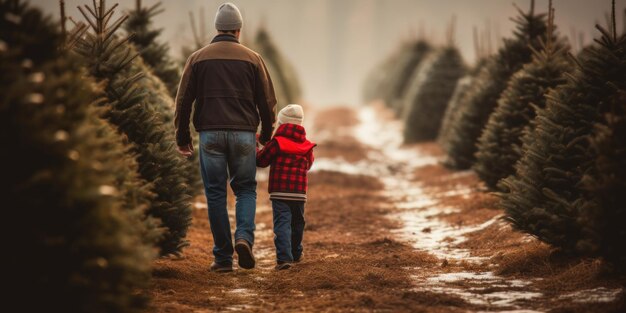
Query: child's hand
[(258, 144)]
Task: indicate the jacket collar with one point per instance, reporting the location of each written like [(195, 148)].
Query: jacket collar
[(225, 37)]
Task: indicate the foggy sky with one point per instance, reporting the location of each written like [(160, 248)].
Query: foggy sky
[(334, 43)]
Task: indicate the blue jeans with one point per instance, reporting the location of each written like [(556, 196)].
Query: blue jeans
[(288, 229), (224, 154)]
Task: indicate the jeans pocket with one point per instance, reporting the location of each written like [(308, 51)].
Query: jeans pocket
[(210, 143), (244, 144)]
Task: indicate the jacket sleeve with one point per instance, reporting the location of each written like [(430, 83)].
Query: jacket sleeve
[(185, 97), (265, 100), (268, 154)]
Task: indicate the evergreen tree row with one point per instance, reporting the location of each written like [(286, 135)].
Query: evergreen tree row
[(482, 97), (72, 190), (499, 146), (161, 77), (401, 75), (390, 81), (110, 61), (568, 186), (545, 129), (432, 88), (455, 104), (158, 98)]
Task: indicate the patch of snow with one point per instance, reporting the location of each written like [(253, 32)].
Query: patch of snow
[(507, 295), (595, 295), (336, 165), (199, 205), (440, 238), (422, 226)]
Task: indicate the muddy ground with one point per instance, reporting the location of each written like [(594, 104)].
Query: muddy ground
[(388, 230)]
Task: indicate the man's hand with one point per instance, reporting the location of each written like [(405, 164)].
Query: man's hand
[(186, 151), (264, 138)]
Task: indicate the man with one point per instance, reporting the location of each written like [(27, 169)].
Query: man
[(233, 92)]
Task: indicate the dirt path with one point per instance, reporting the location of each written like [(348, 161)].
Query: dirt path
[(388, 230)]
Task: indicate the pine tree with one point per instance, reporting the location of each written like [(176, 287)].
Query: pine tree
[(284, 77), (604, 214), (401, 73), (155, 54), (455, 104), (500, 143), (544, 197), (433, 87), (482, 98), (72, 192), (109, 60), (157, 96)]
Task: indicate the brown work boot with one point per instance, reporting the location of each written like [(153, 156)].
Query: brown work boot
[(221, 268), (244, 250)]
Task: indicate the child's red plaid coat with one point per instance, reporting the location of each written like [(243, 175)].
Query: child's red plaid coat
[(290, 156)]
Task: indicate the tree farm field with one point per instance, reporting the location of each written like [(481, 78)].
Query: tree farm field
[(460, 165), (389, 231)]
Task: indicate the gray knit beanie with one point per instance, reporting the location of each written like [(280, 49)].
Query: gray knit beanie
[(228, 17), (292, 114)]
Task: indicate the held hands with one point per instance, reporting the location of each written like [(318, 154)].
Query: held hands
[(263, 138), (258, 143), (186, 151)]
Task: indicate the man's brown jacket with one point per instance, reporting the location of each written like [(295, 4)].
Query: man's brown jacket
[(231, 87)]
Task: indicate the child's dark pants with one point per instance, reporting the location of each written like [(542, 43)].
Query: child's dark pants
[(288, 229)]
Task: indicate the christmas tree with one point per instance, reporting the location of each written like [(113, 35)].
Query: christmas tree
[(401, 73), (604, 213), (157, 96), (481, 99), (455, 104), (499, 146), (544, 197), (155, 54), (284, 77), (109, 60), (72, 191), (433, 87), (482, 50), (603, 216)]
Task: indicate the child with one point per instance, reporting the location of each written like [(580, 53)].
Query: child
[(290, 156)]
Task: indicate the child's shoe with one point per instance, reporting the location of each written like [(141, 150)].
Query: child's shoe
[(283, 266), (221, 268)]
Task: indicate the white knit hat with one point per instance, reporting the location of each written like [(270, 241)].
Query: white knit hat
[(292, 114), (228, 17)]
